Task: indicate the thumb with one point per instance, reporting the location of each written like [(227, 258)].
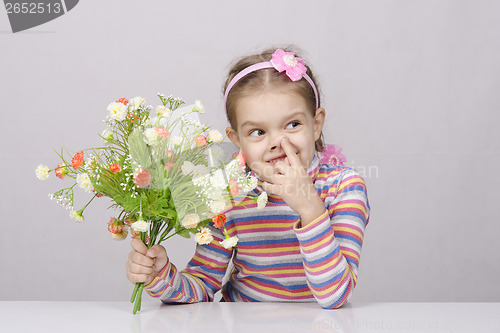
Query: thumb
[(159, 254), (154, 251)]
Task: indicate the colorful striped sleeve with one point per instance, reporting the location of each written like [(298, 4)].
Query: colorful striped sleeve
[(201, 278), (331, 244)]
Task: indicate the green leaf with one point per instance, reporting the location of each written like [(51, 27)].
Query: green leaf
[(186, 233), (139, 150)]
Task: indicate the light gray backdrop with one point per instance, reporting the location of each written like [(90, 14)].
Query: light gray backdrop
[(411, 90)]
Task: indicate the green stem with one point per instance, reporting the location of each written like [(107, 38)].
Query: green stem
[(134, 293), (138, 297)]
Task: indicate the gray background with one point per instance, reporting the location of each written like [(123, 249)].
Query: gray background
[(411, 90)]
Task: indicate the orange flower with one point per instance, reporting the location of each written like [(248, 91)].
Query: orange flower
[(115, 168), (77, 160), (219, 220), (124, 101), (200, 140), (61, 170), (115, 226)]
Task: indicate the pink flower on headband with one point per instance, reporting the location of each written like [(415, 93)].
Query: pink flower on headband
[(294, 66), (332, 154)]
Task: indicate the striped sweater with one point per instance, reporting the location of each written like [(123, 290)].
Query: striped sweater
[(276, 259)]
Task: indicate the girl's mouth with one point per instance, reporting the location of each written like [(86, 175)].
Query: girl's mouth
[(276, 159)]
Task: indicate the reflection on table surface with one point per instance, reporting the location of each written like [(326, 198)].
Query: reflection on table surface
[(248, 317)]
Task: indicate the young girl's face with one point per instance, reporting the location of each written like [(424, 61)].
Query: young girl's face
[(265, 118)]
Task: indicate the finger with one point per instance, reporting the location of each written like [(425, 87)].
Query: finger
[(140, 259), (271, 188), (282, 167), (139, 246), (139, 269), (265, 171), (293, 158), (138, 278)]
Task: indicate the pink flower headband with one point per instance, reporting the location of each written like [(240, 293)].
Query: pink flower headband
[(294, 67)]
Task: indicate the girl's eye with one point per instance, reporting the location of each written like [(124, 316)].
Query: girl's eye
[(256, 133), (293, 124)]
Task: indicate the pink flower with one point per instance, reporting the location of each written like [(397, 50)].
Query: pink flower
[(241, 159), (142, 178), (294, 66), (233, 188), (115, 168), (332, 154), (162, 132), (200, 140), (169, 165), (115, 226), (61, 170), (77, 160)]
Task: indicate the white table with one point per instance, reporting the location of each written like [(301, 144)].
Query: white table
[(96, 317)]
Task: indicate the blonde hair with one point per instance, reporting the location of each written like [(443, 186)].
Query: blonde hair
[(264, 79)]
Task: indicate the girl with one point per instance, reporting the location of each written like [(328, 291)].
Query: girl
[(304, 245)]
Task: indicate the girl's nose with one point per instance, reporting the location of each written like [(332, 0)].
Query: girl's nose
[(276, 142)]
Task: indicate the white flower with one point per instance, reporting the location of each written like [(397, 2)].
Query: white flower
[(233, 168), (216, 155), (218, 181), (200, 171), (217, 206), (201, 180), (83, 180), (199, 106), (91, 163), (140, 226), (42, 172), (229, 242), (216, 194), (187, 167), (117, 111), (163, 122), (262, 200), (76, 215), (177, 140), (150, 136), (215, 136), (136, 102), (120, 235), (250, 184), (190, 221), (204, 237), (107, 134), (163, 111)]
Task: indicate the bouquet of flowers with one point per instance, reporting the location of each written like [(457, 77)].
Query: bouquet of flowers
[(164, 174)]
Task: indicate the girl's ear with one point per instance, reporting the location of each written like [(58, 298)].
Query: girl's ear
[(233, 136), (319, 121)]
